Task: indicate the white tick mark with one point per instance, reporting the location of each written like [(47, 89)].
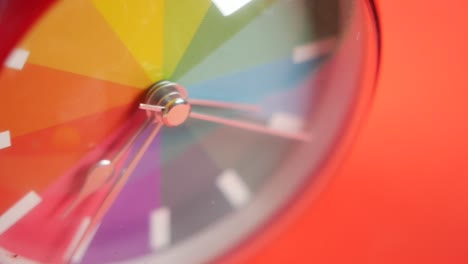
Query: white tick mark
[(17, 59), (5, 139), (313, 50), (78, 236), (286, 122), (160, 228), (233, 187), (227, 7), (80, 252), (19, 210)]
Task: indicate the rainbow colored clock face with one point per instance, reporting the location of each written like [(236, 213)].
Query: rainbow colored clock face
[(167, 131)]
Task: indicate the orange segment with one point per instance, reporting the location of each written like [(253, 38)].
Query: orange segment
[(74, 37), (38, 97)]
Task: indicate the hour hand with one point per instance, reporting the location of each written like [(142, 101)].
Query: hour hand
[(210, 104)]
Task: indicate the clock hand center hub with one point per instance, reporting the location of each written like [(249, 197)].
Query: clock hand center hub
[(171, 99)]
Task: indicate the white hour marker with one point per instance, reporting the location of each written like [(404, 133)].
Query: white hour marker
[(19, 210), (286, 122), (17, 59), (233, 187), (313, 50), (5, 139), (160, 228), (78, 236), (83, 247), (227, 7)]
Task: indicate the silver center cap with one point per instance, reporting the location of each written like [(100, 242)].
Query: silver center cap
[(172, 100), (176, 112)]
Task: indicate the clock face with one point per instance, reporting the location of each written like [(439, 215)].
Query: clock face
[(169, 131)]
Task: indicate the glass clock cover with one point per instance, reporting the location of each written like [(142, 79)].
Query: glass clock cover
[(169, 131)]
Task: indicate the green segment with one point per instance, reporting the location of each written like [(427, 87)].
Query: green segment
[(181, 20), (272, 36), (214, 30)]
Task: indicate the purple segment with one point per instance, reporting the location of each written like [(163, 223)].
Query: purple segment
[(124, 231)]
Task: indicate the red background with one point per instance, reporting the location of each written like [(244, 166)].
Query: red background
[(401, 196)]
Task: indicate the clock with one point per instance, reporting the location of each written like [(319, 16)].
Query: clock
[(160, 131)]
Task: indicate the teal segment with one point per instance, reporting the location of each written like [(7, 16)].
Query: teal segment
[(214, 30), (175, 141), (273, 35)]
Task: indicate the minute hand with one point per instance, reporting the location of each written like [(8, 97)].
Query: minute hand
[(252, 127), (102, 172), (119, 182)]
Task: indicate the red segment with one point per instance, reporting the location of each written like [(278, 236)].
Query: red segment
[(19, 16), (36, 160), (46, 233)]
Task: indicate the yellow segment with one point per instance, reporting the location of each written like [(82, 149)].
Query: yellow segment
[(182, 19), (73, 36), (139, 23)]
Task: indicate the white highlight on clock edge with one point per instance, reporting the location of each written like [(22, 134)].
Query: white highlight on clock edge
[(17, 59), (160, 228), (313, 50), (5, 139), (228, 7), (19, 210), (77, 238), (233, 187), (83, 247), (286, 122)]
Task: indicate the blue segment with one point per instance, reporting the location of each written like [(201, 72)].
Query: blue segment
[(258, 85), (296, 100)]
